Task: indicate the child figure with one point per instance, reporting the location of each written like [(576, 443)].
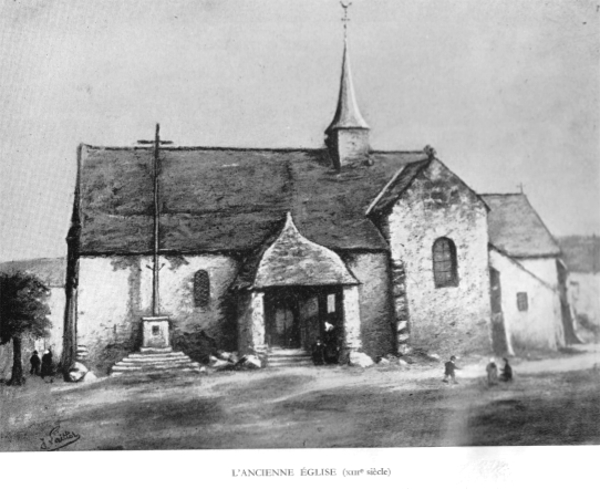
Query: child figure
[(507, 372), (449, 372), (35, 362), (492, 372), (318, 353)]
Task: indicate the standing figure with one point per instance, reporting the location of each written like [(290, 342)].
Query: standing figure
[(507, 372), (318, 353), (492, 372), (35, 364), (332, 349), (47, 366), (449, 372)]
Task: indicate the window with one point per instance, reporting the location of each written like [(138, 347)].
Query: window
[(331, 303), (522, 302), (444, 263), (201, 288)]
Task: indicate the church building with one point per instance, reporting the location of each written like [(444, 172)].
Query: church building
[(256, 249)]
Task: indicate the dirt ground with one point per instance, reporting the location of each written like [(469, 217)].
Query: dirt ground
[(550, 402)]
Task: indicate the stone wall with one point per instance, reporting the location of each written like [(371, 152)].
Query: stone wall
[(251, 322), (376, 316), (115, 292), (540, 326), (447, 319)]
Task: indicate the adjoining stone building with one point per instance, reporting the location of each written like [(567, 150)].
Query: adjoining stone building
[(259, 248), (528, 278), (582, 256)]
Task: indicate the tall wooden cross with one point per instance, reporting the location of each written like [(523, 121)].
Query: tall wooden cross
[(156, 170)]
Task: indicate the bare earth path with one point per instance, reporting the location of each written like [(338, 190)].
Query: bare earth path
[(551, 401)]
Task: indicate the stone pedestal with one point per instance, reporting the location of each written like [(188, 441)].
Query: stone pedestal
[(155, 332)]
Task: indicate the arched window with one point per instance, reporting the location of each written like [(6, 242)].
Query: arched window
[(201, 288), (444, 263)]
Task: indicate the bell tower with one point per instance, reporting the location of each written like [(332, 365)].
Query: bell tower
[(347, 137)]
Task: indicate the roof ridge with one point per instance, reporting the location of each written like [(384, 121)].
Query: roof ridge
[(240, 148), (502, 194), (394, 179), (185, 147), (404, 152)]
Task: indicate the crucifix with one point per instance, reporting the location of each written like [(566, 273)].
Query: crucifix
[(156, 142)]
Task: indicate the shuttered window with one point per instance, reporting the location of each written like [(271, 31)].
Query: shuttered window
[(522, 302), (201, 288), (444, 263)]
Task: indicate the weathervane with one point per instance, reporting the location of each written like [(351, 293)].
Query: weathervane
[(345, 19)]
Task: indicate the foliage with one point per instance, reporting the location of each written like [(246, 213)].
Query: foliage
[(22, 306)]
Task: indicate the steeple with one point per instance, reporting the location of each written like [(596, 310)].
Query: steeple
[(347, 137)]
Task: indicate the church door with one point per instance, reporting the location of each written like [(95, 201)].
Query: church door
[(283, 320)]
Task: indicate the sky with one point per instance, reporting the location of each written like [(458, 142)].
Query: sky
[(507, 92)]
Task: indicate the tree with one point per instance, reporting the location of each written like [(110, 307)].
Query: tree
[(22, 312)]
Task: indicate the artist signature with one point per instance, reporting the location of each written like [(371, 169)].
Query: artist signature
[(58, 438)]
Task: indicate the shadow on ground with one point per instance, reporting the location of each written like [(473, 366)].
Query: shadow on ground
[(308, 410)]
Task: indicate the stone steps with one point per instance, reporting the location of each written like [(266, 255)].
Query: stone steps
[(173, 355), (143, 362), (153, 372), (156, 350), (155, 361), (282, 358)]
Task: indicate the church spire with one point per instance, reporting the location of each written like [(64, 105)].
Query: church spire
[(347, 114), (348, 134)]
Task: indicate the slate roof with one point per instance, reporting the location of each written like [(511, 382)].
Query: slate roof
[(50, 271), (581, 253), (396, 186), (227, 199), (292, 260), (516, 229)]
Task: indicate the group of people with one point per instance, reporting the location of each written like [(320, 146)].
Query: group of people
[(43, 367), (492, 371)]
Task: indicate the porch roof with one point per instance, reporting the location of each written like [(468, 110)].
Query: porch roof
[(293, 260)]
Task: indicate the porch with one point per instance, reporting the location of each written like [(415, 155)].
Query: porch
[(302, 294)]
